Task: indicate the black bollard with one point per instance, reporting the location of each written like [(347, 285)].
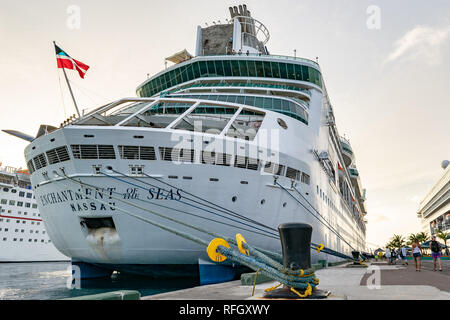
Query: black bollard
[(296, 249), (355, 255), (296, 245), (356, 264)]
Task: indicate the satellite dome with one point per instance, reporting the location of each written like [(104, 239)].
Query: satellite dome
[(445, 164)]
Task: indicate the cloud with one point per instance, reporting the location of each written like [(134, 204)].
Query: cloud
[(378, 218), (421, 42)]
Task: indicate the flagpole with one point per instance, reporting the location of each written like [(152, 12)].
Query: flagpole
[(71, 93), (70, 89)]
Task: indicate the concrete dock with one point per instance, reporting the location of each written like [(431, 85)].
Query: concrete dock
[(379, 281)]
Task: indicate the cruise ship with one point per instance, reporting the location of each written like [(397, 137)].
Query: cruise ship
[(23, 237), (232, 139)]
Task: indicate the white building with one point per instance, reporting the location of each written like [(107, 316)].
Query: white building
[(434, 209)]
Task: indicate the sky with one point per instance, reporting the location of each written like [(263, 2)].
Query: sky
[(385, 65)]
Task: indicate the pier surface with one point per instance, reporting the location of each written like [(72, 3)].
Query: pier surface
[(378, 282)]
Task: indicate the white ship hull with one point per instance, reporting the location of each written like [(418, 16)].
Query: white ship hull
[(268, 116), (23, 237), (64, 203)]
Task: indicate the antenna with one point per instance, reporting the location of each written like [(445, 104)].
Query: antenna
[(295, 53)]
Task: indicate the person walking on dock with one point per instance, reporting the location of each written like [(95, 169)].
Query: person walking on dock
[(436, 253), (403, 255), (388, 255), (416, 254), (394, 256)]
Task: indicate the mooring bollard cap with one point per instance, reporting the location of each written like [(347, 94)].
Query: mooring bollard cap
[(296, 225)]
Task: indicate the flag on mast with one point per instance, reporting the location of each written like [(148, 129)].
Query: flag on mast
[(65, 61)]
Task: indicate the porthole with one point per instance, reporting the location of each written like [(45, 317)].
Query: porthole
[(284, 205), (234, 199), (282, 123), (263, 201)]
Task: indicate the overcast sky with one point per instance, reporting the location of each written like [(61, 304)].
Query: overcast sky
[(386, 66)]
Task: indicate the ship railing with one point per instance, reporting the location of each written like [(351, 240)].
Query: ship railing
[(246, 85), (267, 56)]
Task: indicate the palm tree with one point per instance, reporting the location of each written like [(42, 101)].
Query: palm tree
[(412, 238), (397, 241), (444, 236), (422, 237)]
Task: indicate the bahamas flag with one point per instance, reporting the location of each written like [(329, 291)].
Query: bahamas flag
[(65, 61)]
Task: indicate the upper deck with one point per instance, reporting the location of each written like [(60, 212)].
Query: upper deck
[(286, 70)]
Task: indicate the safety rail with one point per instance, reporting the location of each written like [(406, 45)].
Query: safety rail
[(244, 85)]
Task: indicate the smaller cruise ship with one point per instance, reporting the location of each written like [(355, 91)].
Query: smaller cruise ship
[(23, 237)]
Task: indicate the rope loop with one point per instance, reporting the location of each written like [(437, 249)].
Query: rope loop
[(272, 288), (308, 292), (320, 247)]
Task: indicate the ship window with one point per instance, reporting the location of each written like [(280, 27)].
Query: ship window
[(235, 68), (12, 202), (292, 173), (305, 178), (298, 72), (227, 68), (251, 69), (203, 69), (29, 195), (206, 118), (291, 71), (223, 159), (259, 69), (21, 194), (93, 152), (275, 69), (177, 155), (137, 152), (268, 167), (58, 155), (4, 201), (283, 70), (243, 68), (208, 157), (30, 166), (219, 68), (211, 68), (246, 125), (40, 161), (159, 115)]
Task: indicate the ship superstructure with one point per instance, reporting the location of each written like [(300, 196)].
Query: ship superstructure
[(23, 237), (233, 127)]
